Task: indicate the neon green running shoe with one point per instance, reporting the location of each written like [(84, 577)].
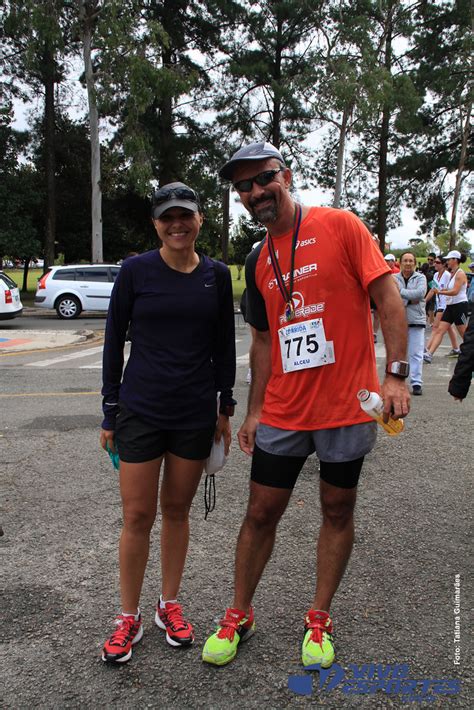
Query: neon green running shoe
[(221, 647), (318, 642)]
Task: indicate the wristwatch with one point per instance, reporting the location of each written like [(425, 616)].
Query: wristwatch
[(398, 368), (227, 410)]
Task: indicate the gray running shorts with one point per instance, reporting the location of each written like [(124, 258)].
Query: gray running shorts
[(345, 443)]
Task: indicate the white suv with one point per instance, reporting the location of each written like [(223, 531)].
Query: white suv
[(73, 289), (10, 303)]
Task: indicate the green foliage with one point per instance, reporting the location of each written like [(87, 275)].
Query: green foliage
[(442, 243), (180, 85), (20, 195), (266, 82), (244, 237)]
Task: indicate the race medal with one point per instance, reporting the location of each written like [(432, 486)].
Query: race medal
[(290, 310)]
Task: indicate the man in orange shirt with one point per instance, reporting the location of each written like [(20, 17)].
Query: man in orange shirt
[(308, 288)]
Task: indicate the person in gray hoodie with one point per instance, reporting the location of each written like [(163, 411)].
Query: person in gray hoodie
[(412, 286)]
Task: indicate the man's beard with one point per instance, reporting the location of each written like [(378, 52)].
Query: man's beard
[(264, 215)]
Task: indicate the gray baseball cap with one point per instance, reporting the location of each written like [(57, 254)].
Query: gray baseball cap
[(174, 194), (253, 151)]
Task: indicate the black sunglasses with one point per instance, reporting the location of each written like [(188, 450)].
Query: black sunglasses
[(262, 179), (438, 262), (174, 193)]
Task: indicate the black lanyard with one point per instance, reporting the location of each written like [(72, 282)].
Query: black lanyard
[(287, 294)]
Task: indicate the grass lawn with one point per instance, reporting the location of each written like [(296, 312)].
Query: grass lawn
[(238, 285)]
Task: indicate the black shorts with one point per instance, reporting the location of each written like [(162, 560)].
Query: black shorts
[(430, 305), (138, 441), (456, 313), (279, 471)]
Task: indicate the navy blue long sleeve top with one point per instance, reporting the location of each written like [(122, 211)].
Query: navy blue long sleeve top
[(183, 343)]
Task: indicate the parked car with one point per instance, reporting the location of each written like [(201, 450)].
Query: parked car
[(10, 303), (76, 288)]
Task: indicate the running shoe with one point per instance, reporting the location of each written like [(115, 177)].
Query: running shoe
[(428, 357), (416, 390), (128, 632), (318, 647), (454, 352), (221, 647), (179, 632)]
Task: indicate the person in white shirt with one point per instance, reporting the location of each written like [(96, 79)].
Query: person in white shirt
[(441, 278), (456, 311)]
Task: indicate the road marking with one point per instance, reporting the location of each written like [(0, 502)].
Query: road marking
[(93, 366), (49, 394), (22, 353), (65, 358)]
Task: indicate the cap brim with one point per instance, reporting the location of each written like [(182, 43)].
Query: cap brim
[(158, 210), (227, 171)]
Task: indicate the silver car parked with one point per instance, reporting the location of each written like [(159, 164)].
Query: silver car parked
[(76, 288)]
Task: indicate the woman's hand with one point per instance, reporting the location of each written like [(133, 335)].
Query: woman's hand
[(107, 437), (223, 429)]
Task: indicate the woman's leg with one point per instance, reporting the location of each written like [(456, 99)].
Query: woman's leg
[(438, 336), (139, 490), (453, 339), (180, 481), (434, 328), (461, 330)]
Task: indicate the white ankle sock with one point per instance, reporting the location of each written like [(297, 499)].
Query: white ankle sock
[(135, 616)]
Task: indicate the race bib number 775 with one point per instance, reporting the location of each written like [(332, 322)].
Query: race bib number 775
[(304, 345)]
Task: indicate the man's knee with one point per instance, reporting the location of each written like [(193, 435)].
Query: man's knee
[(266, 506), (337, 505)]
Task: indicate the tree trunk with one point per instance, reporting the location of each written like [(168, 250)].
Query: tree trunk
[(88, 14), (276, 119), (50, 158), (225, 225), (26, 268), (167, 163), (457, 188), (383, 145), (340, 155)]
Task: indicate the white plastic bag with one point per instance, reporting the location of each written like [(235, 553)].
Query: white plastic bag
[(217, 458)]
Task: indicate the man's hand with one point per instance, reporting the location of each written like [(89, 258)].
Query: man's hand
[(396, 398), (223, 429), (107, 437), (246, 435)]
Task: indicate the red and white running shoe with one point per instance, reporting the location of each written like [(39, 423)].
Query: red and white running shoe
[(128, 632), (179, 632)]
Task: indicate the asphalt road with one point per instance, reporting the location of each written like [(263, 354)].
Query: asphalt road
[(60, 512)]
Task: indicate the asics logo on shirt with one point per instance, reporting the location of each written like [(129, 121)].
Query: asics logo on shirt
[(305, 242)]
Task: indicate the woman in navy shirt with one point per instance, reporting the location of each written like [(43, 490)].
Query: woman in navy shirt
[(160, 412)]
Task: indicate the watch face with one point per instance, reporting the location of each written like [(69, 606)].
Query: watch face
[(399, 368)]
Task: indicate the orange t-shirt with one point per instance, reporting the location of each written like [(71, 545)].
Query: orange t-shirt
[(336, 259)]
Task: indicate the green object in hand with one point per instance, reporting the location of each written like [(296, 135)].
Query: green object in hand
[(114, 457)]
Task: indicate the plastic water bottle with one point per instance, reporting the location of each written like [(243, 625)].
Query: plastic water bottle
[(371, 403)]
